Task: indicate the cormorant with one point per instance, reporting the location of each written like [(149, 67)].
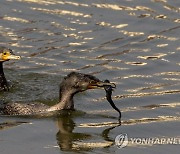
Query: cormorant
[(72, 84), (5, 55)]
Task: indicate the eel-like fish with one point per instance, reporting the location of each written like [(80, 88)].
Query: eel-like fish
[(109, 90)]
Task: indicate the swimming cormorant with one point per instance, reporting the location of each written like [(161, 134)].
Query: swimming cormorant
[(72, 84), (5, 55)]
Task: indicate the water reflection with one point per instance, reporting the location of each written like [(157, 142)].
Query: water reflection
[(133, 43), (66, 135), (70, 140), (10, 124)]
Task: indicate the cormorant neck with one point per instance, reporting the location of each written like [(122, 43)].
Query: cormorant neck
[(3, 81), (65, 100), (1, 69)]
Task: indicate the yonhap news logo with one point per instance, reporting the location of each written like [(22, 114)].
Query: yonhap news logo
[(123, 140)]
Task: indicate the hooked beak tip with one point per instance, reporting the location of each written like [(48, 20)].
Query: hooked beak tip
[(101, 84), (14, 57), (107, 83)]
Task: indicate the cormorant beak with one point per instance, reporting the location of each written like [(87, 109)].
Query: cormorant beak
[(100, 84), (14, 57), (7, 54)]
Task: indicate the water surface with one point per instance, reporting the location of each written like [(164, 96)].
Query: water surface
[(134, 44)]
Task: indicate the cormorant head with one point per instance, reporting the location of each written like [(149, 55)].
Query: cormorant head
[(7, 54), (78, 82)]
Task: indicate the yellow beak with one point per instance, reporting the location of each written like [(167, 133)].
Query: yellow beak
[(13, 57)]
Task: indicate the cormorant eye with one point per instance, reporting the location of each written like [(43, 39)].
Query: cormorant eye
[(91, 82)]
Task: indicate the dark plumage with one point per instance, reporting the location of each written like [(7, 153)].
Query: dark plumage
[(5, 55), (72, 84)]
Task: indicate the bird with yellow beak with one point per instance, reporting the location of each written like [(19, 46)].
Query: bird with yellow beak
[(6, 54)]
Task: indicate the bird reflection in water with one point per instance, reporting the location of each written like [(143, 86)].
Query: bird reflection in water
[(67, 138)]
